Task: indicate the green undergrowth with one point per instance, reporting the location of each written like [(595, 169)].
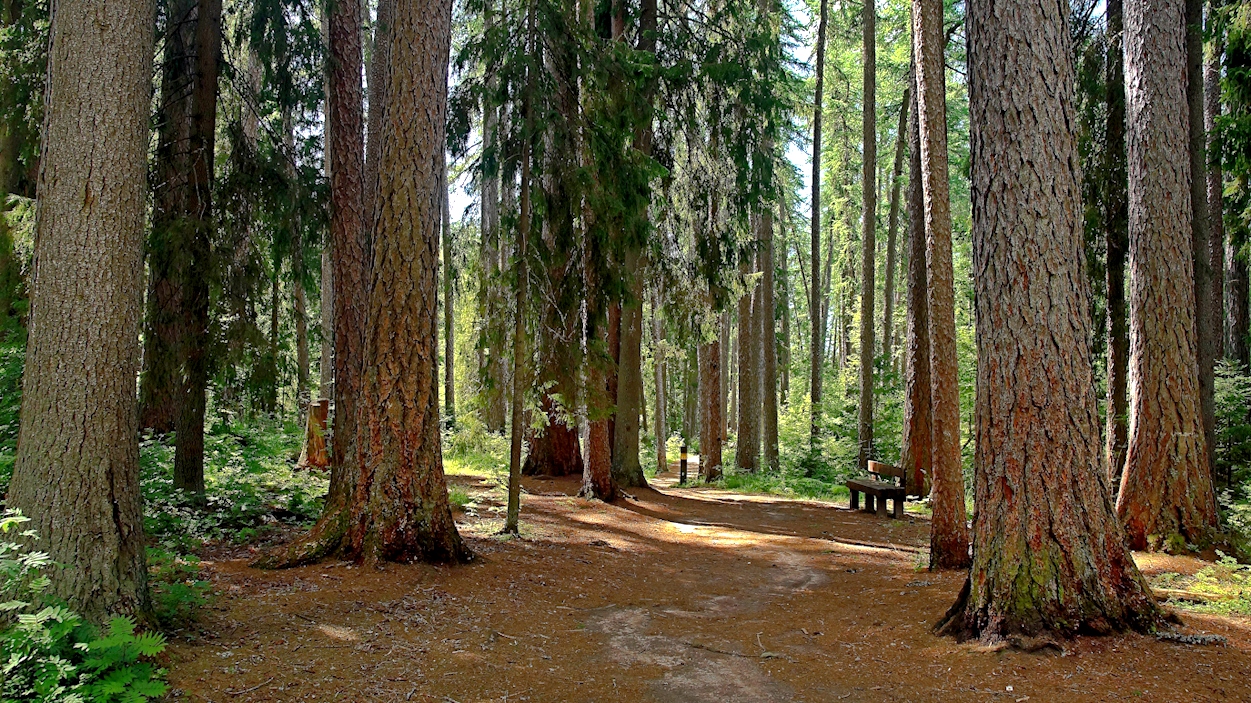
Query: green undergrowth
[(1222, 588)]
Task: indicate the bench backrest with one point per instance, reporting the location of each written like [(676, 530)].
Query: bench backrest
[(883, 471)]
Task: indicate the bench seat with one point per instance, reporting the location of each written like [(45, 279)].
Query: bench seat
[(876, 493)]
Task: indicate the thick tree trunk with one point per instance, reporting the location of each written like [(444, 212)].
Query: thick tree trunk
[(325, 370), (868, 266), (747, 453), (892, 227), (949, 540), (189, 424), (159, 384), (729, 385), (1116, 220), (710, 424), (1050, 556), (400, 510), (1207, 307), (1167, 487), (916, 454), (77, 469), (816, 305), (350, 261)]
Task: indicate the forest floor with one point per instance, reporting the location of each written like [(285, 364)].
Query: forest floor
[(673, 595)]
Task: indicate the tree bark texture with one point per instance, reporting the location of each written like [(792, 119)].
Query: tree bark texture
[(493, 383), (710, 423), (189, 424), (768, 345), (1166, 489), (1237, 291), (626, 469), (747, 453), (662, 418), (1207, 306), (1214, 319), (400, 511), (160, 382), (449, 305), (892, 228), (76, 474), (916, 441), (868, 266), (949, 541), (1049, 554), (1116, 220), (349, 244), (816, 305)]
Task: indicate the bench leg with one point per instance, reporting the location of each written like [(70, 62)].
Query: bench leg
[(881, 507), (899, 504), (870, 501), (855, 500)]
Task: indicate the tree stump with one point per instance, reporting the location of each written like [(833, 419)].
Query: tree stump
[(314, 455)]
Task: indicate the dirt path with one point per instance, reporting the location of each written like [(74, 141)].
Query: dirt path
[(676, 596)]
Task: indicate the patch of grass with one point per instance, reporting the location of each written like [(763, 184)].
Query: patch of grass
[(784, 483), (1223, 588), (459, 498)]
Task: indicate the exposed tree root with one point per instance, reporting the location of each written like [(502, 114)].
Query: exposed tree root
[(324, 540)]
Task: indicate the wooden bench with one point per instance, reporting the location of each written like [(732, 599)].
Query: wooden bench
[(877, 491)]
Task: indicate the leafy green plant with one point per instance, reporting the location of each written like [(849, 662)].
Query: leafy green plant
[(48, 653), (178, 591)]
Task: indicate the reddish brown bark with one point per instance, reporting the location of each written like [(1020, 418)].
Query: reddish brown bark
[(949, 541), (916, 456), (1167, 487), (1050, 556), (868, 253), (710, 423)]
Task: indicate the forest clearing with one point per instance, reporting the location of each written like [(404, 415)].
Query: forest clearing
[(674, 595)]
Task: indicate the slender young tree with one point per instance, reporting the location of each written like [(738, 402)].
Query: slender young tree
[(916, 442), (768, 346), (1207, 311), (868, 240), (449, 305), (816, 305), (1050, 556), (892, 228), (77, 469), (949, 540), (747, 453), (1166, 489), (1116, 238)]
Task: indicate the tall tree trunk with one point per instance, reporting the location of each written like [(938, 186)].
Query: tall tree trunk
[(159, 384), (1050, 555), (520, 353), (892, 227), (189, 424), (768, 392), (449, 306), (729, 381), (949, 537), (326, 296), (1215, 318), (350, 247), (662, 419), (400, 510), (1207, 307), (816, 306), (494, 412), (868, 267), (626, 469), (747, 453), (916, 450), (1167, 487), (299, 316), (77, 469), (1237, 290), (710, 423), (784, 355), (1116, 220)]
